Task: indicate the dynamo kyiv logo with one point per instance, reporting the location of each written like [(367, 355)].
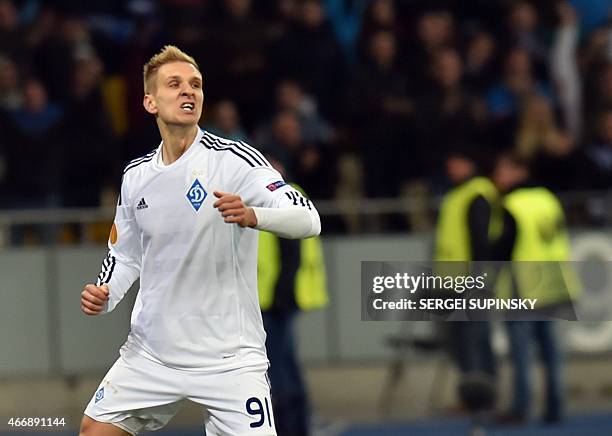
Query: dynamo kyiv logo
[(196, 195)]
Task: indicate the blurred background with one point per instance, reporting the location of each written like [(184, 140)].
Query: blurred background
[(361, 101)]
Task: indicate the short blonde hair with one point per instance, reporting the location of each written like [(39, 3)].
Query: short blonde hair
[(168, 54)]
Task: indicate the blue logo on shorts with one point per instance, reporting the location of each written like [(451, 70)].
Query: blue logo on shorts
[(196, 195), (100, 394)]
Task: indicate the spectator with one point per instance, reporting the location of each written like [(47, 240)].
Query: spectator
[(11, 98), (435, 29), (522, 20), (35, 128), (291, 97), (286, 141), (592, 13), (598, 154), (42, 26), (346, 21), (479, 64), (318, 63), (37, 116), (447, 112), (599, 92), (225, 121), (505, 98), (379, 15), (478, 14), (597, 50), (240, 55), (380, 110), (88, 144), (537, 130), (54, 55), (548, 148), (522, 81), (182, 17), (301, 159), (11, 40)]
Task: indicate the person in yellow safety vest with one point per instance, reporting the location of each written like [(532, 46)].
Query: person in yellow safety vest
[(533, 230), (291, 278), (468, 221)]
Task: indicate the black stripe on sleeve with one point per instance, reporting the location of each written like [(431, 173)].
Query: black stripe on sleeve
[(135, 164), (257, 152), (233, 145), (112, 269), (253, 155), (149, 154), (217, 148), (108, 266)]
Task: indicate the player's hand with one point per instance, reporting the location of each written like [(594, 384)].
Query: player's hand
[(234, 210), (93, 298)]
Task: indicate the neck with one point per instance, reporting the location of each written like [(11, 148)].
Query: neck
[(519, 183), (462, 178), (176, 140)]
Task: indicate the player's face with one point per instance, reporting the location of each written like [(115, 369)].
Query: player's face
[(178, 96)]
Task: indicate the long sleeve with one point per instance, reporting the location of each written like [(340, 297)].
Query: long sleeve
[(280, 208), (121, 267), (288, 221)]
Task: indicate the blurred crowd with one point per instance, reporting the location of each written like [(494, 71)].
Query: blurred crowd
[(356, 98)]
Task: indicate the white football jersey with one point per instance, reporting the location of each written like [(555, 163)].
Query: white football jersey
[(197, 307)]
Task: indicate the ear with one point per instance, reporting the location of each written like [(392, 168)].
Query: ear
[(149, 104)]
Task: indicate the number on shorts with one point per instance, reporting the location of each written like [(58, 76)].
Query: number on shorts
[(254, 407)]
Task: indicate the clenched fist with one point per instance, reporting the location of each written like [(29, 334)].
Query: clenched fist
[(234, 210), (93, 298)]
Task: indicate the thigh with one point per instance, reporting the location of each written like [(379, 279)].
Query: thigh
[(91, 427), (237, 402), (136, 394)]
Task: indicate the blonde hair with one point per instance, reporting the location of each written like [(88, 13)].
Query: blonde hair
[(537, 128), (168, 54)]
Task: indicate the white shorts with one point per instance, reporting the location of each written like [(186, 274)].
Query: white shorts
[(138, 394)]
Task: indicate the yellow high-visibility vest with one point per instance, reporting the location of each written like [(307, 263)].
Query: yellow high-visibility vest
[(541, 244), (310, 279), (453, 233)]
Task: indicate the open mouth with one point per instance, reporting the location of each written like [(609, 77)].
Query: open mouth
[(188, 107)]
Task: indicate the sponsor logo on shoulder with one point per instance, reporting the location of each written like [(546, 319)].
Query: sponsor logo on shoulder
[(274, 186)]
